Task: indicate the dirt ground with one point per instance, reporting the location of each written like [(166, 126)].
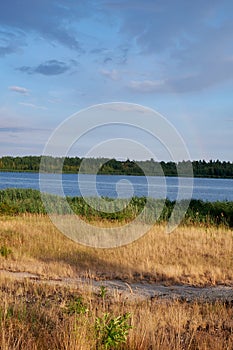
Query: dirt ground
[(138, 290)]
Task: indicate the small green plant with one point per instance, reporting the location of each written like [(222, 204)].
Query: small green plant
[(5, 252), (103, 292), (6, 312), (76, 306), (112, 332)]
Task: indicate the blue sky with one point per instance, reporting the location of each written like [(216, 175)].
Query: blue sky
[(57, 57)]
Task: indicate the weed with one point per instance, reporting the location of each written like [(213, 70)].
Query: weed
[(5, 252), (103, 292), (76, 306), (112, 332)]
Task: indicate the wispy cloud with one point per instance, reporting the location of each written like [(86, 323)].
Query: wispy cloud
[(10, 42), (13, 129), (210, 74), (124, 107), (6, 50), (19, 89), (147, 86), (45, 18), (32, 105), (54, 100), (197, 46)]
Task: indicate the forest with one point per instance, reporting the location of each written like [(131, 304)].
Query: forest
[(201, 168)]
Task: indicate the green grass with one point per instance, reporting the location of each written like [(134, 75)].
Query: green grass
[(19, 201)]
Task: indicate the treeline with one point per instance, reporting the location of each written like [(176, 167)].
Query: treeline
[(107, 166), (21, 201)]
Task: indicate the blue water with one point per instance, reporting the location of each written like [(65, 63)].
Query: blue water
[(123, 186)]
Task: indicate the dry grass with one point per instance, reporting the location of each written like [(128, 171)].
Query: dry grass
[(36, 317), (193, 255)]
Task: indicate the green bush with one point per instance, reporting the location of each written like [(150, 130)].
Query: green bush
[(76, 306), (5, 252), (112, 332)]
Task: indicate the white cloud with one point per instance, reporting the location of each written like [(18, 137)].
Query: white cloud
[(147, 85), (19, 89), (111, 74)]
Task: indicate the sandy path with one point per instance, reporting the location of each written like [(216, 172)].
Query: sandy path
[(136, 290)]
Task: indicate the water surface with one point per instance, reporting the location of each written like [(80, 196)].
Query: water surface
[(123, 186)]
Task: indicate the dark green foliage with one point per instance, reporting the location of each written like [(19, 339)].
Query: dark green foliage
[(107, 166), (19, 201), (76, 306), (27, 163), (210, 212), (5, 252), (112, 331)]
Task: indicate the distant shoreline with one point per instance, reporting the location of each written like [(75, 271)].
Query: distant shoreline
[(105, 166)]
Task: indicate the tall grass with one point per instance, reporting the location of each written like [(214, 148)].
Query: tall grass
[(34, 317), (37, 316), (18, 201), (196, 255)]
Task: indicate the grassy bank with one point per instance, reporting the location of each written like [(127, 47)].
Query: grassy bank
[(19, 201)]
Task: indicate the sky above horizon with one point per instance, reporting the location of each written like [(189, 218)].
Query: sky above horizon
[(58, 57)]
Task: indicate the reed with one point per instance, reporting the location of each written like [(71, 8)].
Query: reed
[(19, 201)]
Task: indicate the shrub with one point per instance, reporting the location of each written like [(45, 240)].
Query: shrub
[(112, 332), (76, 306), (5, 252)]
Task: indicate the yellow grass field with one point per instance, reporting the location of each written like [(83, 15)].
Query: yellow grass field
[(41, 316), (191, 254)]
